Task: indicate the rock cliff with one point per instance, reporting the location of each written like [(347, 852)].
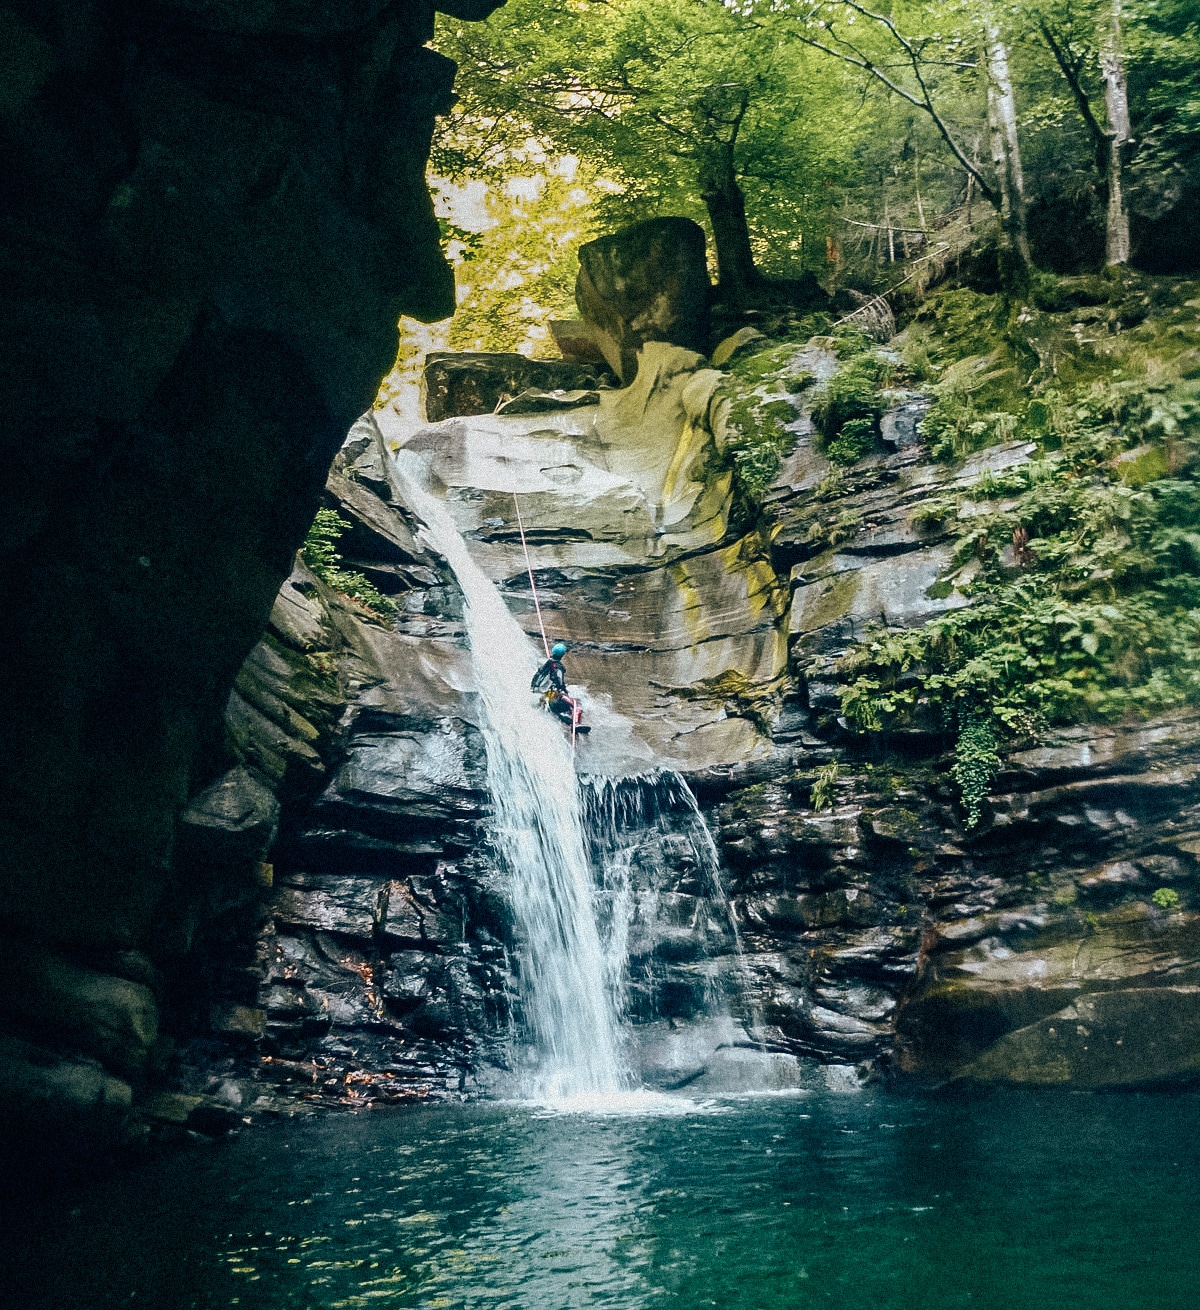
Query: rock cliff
[(214, 215), (858, 918)]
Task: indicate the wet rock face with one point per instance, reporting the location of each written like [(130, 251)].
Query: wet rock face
[(874, 931), (215, 213)]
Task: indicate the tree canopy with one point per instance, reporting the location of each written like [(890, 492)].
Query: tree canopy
[(832, 137)]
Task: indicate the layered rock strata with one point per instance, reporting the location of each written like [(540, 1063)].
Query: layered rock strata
[(863, 925)]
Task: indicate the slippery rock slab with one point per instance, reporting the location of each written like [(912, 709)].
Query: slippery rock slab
[(332, 903), (989, 975), (363, 457), (240, 1021), (288, 761), (55, 1107), (377, 531), (1099, 749), (297, 616), (850, 592), (547, 402), (429, 774), (409, 919), (1126, 1038)]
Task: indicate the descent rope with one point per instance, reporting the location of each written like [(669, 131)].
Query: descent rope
[(537, 608)]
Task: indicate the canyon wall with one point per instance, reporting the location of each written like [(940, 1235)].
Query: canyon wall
[(860, 924), (214, 215)]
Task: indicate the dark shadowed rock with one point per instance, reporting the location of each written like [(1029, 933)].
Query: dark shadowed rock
[(1127, 1038), (47, 997), (648, 282), (457, 384), (231, 822)]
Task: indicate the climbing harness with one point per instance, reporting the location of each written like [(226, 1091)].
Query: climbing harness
[(572, 704)]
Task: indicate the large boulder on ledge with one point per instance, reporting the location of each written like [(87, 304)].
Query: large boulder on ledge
[(648, 282)]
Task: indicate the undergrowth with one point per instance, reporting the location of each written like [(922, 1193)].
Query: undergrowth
[(756, 432), (321, 555), (850, 404), (1080, 566)]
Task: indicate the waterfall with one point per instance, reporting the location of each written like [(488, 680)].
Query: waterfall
[(566, 992), (618, 810)]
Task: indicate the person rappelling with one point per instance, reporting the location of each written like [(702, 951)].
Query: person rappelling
[(551, 681)]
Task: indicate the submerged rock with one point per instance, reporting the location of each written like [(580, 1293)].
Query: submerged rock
[(1136, 1037)]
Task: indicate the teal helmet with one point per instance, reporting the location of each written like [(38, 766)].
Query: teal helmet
[(558, 650)]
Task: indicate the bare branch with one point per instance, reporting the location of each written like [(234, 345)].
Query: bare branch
[(1071, 69), (924, 101)]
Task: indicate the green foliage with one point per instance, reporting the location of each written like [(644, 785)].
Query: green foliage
[(757, 441), (1166, 898), (1082, 564), (849, 405), (320, 545), (822, 793), (756, 427), (854, 441), (660, 97), (517, 272), (954, 426), (321, 555), (976, 763)]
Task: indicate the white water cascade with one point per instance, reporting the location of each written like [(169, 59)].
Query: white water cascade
[(565, 993)]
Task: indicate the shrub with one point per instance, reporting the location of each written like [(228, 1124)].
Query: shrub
[(320, 554), (976, 763), (846, 414), (821, 794), (1166, 898)]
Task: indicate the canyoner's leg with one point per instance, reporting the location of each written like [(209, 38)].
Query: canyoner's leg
[(572, 713)]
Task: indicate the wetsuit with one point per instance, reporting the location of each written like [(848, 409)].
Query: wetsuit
[(552, 679), (550, 675)]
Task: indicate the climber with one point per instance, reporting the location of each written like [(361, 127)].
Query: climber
[(551, 679)]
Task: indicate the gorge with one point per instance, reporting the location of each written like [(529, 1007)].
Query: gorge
[(882, 607)]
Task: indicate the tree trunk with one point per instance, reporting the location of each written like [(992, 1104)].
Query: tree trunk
[(1006, 156), (1116, 104), (737, 275)]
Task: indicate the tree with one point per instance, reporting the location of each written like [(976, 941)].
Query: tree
[(881, 48), (1077, 39), (686, 105)]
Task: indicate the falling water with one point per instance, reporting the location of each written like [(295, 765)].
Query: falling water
[(615, 807), (565, 997)]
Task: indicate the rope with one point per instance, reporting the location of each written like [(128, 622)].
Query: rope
[(537, 608)]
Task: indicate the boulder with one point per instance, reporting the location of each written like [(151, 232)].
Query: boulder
[(647, 282), (1136, 1037), (230, 823), (457, 384), (576, 340), (56, 1110), (110, 1018)]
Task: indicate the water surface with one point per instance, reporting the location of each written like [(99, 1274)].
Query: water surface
[(857, 1201)]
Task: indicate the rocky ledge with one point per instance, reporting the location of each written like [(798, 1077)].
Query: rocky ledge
[(858, 921)]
